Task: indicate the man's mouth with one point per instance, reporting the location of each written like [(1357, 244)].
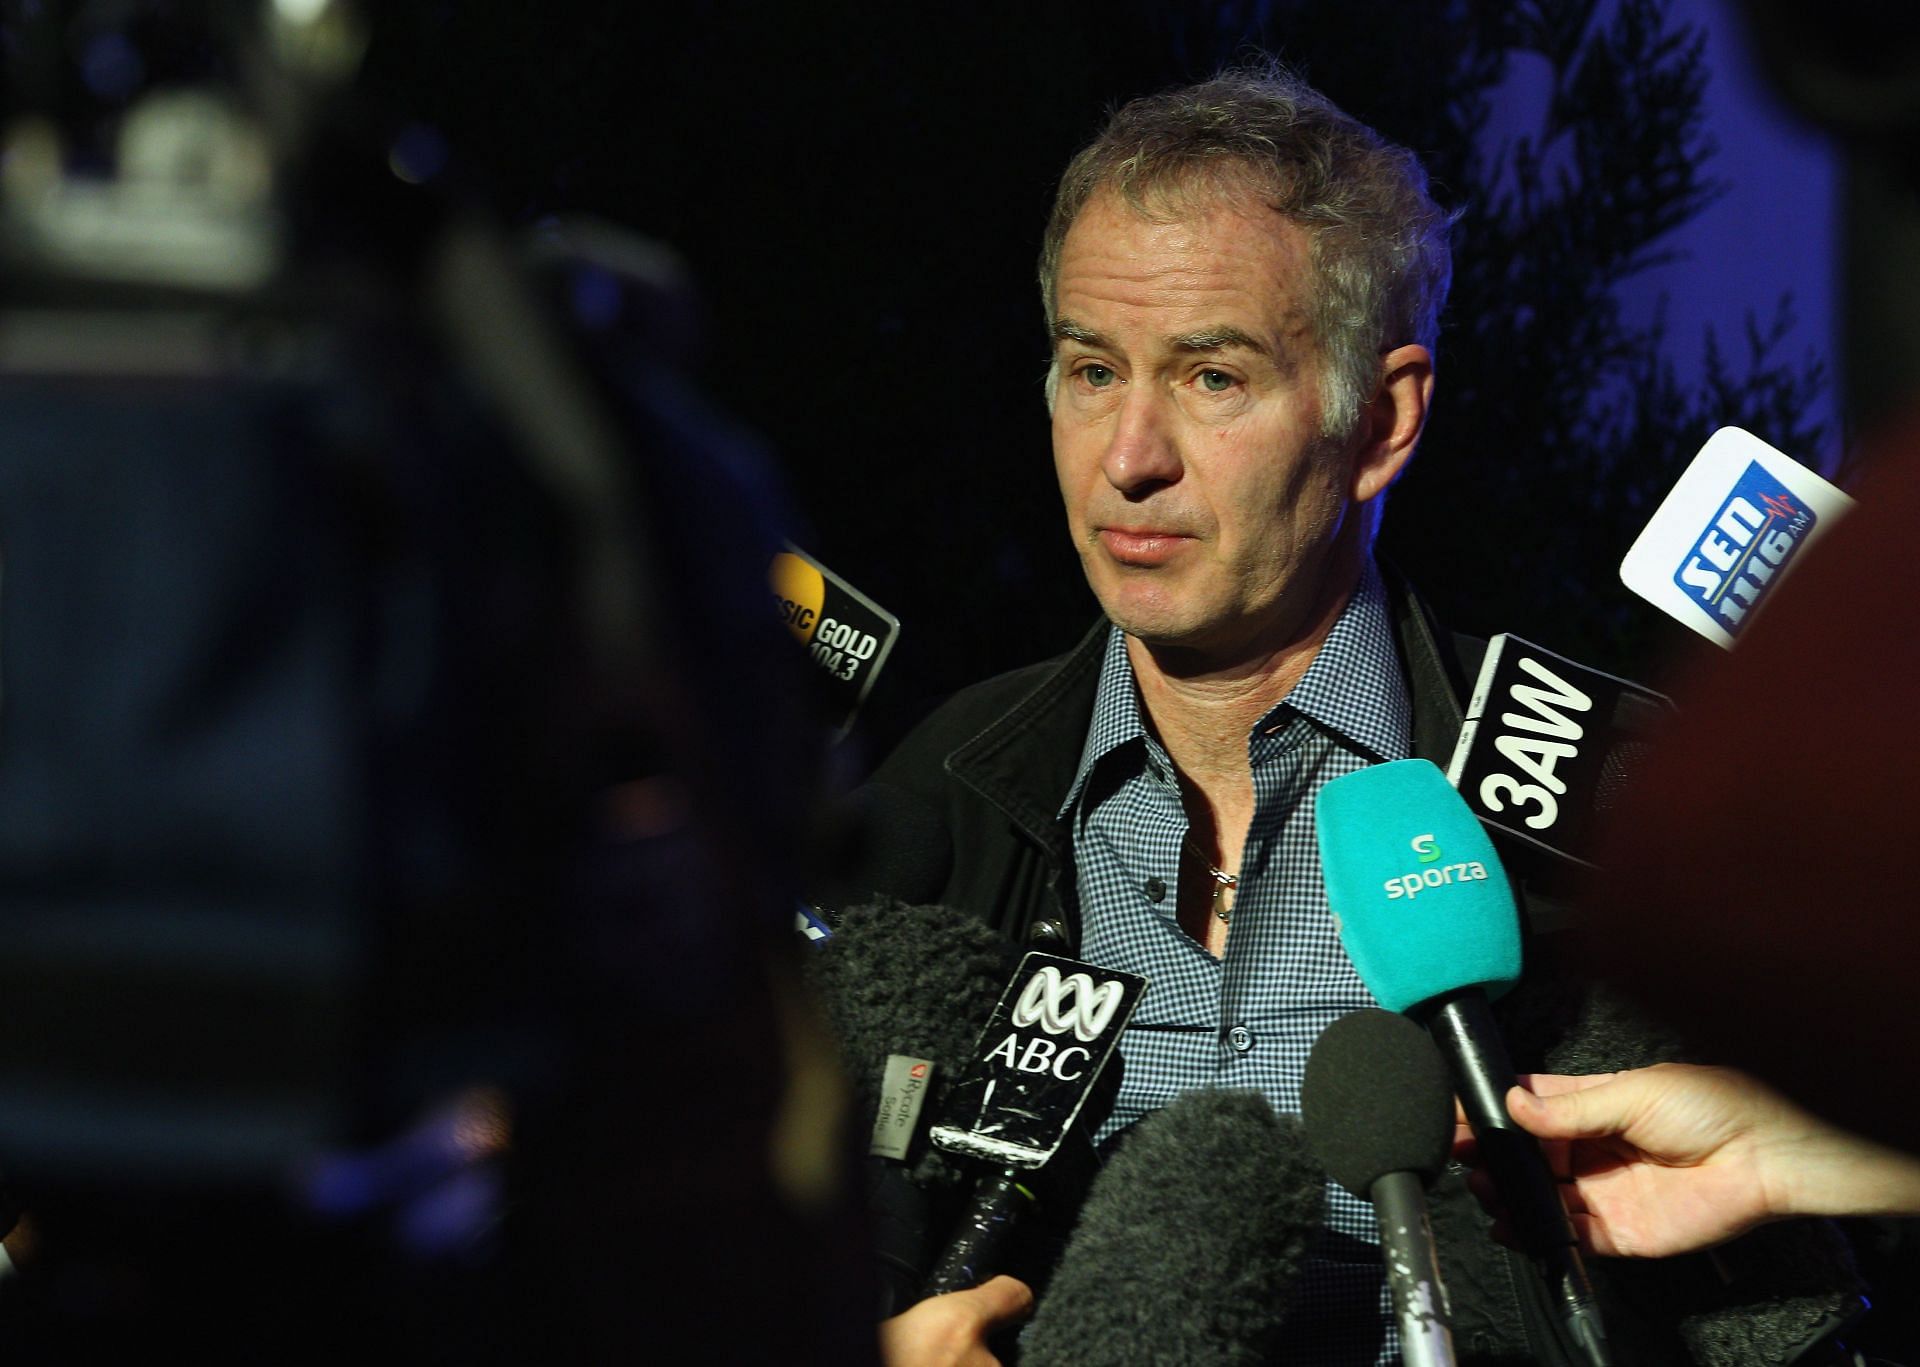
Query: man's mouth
[(1142, 546)]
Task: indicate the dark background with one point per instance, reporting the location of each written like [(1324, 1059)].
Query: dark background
[(859, 192)]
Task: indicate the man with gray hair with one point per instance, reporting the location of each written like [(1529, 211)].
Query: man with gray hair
[(1242, 285)]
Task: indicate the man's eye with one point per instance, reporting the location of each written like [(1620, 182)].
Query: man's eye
[(1216, 381), (1097, 376)]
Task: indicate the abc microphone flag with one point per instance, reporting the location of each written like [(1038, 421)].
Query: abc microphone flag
[(1037, 1060), (1033, 1069)]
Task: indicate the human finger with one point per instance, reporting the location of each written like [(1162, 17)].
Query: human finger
[(1558, 1084), (1002, 1300), (1579, 1113), (952, 1330)]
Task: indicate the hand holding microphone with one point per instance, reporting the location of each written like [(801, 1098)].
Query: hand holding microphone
[(952, 1330), (1677, 1157)]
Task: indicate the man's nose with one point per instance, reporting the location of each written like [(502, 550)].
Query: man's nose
[(1142, 454)]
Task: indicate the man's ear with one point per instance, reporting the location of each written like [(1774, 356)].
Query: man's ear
[(1390, 427)]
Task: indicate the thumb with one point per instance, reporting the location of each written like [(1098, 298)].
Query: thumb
[(1589, 1113), (1001, 1300)]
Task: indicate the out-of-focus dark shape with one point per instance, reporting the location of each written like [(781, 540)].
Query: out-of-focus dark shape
[(1761, 879), (1853, 67), (391, 709), (881, 838), (1850, 65)]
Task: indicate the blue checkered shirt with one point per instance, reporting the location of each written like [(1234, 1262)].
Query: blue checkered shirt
[(1249, 1019)]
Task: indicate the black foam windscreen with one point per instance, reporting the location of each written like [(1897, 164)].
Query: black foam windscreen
[(1190, 1241), (1377, 1099), (918, 980)]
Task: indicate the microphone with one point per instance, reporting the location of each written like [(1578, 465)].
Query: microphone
[(1428, 919), (1724, 537), (1190, 1243), (1548, 746), (905, 989), (1034, 1068), (908, 980), (846, 634), (1378, 1111)]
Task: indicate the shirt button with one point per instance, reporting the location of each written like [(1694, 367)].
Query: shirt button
[(1240, 1038), (1156, 889)]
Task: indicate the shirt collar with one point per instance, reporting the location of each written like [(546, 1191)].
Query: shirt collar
[(1116, 715), (1354, 687)]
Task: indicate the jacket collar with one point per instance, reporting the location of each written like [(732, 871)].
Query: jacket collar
[(1024, 763)]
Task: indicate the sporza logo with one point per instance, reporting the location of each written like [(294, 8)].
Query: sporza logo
[(1748, 542), (1427, 850), (1072, 1002)]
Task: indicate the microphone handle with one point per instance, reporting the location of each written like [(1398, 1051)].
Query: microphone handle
[(1462, 1024), (1413, 1272), (978, 1247)]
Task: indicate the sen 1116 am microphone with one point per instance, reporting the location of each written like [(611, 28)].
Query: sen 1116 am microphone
[(1033, 1069), (1724, 537), (1190, 1242), (1378, 1110), (1428, 919)]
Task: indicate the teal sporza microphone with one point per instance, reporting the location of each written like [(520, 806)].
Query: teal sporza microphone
[(1427, 916)]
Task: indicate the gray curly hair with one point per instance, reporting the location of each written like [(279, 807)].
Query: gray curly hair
[(1376, 239)]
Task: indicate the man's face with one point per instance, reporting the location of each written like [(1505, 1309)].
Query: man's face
[(1200, 492)]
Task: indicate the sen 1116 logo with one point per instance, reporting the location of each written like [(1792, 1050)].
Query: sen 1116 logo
[(1743, 547)]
